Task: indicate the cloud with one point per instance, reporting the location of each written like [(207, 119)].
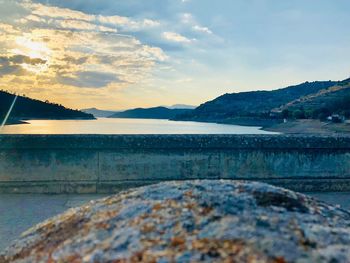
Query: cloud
[(127, 24), (15, 65), (189, 19), (175, 37), (89, 79), (64, 18), (202, 29), (56, 45), (82, 26), (6, 28), (8, 69), (81, 50), (57, 12), (20, 59)]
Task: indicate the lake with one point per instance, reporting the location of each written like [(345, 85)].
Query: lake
[(127, 126)]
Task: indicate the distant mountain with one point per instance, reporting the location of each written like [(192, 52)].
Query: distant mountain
[(254, 104), (104, 113), (150, 113), (182, 106), (26, 108), (99, 113)]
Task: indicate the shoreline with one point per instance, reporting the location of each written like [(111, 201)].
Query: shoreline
[(248, 122), (303, 126), (310, 127), (26, 120), (15, 122)]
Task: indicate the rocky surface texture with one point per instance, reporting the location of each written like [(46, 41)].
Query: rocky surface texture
[(195, 221)]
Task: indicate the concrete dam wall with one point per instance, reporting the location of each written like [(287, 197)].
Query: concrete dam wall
[(110, 163)]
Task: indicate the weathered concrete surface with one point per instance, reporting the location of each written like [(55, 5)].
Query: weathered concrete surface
[(194, 221), (106, 164), (35, 208)]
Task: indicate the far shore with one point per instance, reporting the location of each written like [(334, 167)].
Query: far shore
[(15, 122), (305, 126), (310, 127)]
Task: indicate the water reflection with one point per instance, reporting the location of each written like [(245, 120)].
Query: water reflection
[(127, 126)]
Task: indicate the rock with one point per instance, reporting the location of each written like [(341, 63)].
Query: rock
[(193, 221)]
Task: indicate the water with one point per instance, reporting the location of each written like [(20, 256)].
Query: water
[(127, 126), (20, 212)]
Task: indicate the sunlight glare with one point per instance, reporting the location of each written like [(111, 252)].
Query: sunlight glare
[(32, 49)]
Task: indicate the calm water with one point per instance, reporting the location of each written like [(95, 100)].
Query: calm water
[(127, 126)]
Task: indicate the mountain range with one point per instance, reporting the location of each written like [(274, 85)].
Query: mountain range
[(150, 113), (161, 112), (317, 99), (99, 113)]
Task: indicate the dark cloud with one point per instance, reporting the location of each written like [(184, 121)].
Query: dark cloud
[(73, 60), (20, 59), (12, 65), (89, 79), (7, 69)]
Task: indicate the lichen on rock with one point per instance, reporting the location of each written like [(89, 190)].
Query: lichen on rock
[(192, 221)]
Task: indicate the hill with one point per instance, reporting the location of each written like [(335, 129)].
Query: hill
[(254, 104), (150, 113), (99, 113), (26, 108), (333, 100)]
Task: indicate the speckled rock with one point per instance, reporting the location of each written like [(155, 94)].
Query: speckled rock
[(196, 221)]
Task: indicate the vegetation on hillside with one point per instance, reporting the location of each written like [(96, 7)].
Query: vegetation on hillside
[(263, 104), (26, 108), (334, 100)]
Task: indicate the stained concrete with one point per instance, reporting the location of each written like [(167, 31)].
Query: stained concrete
[(110, 163)]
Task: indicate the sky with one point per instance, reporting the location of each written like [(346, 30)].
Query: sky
[(118, 54)]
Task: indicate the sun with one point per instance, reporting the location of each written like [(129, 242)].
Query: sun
[(33, 49)]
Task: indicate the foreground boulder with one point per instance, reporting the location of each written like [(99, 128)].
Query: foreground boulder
[(211, 221)]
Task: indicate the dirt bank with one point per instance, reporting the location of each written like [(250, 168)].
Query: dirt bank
[(309, 127)]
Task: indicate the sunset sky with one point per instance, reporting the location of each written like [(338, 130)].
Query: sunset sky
[(117, 54)]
